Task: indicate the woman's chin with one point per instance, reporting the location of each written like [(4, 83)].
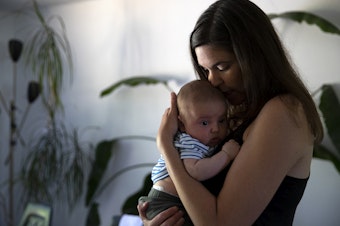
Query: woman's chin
[(235, 98)]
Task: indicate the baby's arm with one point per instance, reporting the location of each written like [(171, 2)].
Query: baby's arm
[(203, 169)]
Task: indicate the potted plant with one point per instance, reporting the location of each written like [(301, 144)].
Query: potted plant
[(55, 167), (62, 172)]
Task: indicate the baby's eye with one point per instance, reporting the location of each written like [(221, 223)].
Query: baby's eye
[(204, 123), (222, 120)]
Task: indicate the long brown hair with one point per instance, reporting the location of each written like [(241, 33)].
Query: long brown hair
[(243, 28)]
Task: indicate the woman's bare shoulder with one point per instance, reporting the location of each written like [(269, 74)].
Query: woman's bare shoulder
[(284, 109), (282, 126), (278, 110), (273, 148)]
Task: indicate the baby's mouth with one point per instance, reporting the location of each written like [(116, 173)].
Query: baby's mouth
[(214, 141)]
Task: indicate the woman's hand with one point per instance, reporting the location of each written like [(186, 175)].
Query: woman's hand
[(169, 125), (170, 217), (231, 148)]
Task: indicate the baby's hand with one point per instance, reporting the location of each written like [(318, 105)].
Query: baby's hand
[(231, 148)]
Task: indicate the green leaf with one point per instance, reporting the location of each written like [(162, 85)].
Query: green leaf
[(322, 152), (310, 18), (47, 52), (103, 155), (106, 183), (104, 152), (133, 81), (129, 206), (93, 217), (330, 108)]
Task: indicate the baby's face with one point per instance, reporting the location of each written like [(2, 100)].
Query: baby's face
[(206, 122)]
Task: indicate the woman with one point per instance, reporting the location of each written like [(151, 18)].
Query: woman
[(235, 47)]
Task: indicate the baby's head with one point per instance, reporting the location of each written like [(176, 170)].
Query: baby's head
[(202, 111)]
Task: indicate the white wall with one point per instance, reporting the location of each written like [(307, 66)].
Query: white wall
[(115, 39)]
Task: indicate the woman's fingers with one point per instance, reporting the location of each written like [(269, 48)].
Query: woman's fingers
[(169, 124), (173, 114), (169, 217), (142, 207), (173, 103)]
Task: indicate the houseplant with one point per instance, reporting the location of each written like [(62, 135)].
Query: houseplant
[(55, 166), (61, 175), (106, 150)]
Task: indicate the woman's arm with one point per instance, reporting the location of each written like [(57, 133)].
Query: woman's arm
[(203, 169), (273, 144)]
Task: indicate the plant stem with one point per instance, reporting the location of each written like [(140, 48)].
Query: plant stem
[(2, 99), (11, 163), (12, 144)]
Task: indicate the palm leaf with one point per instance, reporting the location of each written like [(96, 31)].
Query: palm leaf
[(129, 206), (93, 217), (330, 108), (134, 81), (102, 157), (103, 152), (310, 18), (45, 53), (322, 152)]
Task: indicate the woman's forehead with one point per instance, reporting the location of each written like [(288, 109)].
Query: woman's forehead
[(209, 55)]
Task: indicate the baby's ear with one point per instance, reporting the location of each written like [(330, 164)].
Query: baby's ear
[(181, 126)]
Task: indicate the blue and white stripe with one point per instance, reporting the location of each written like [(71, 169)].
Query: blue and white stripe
[(188, 147)]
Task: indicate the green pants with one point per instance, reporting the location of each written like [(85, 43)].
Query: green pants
[(160, 201)]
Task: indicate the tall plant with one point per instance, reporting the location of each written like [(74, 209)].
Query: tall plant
[(47, 53), (55, 167)]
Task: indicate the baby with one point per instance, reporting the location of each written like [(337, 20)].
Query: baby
[(202, 126)]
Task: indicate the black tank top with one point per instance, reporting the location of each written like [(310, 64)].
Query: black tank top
[(281, 209)]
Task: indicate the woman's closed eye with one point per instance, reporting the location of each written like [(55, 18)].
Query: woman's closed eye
[(223, 66)]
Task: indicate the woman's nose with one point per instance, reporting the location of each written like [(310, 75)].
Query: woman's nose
[(214, 79)]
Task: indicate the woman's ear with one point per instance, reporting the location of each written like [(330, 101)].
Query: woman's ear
[(181, 126)]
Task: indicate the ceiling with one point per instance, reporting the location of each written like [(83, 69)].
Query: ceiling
[(13, 5)]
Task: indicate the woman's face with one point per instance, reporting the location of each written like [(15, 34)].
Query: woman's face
[(222, 71)]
